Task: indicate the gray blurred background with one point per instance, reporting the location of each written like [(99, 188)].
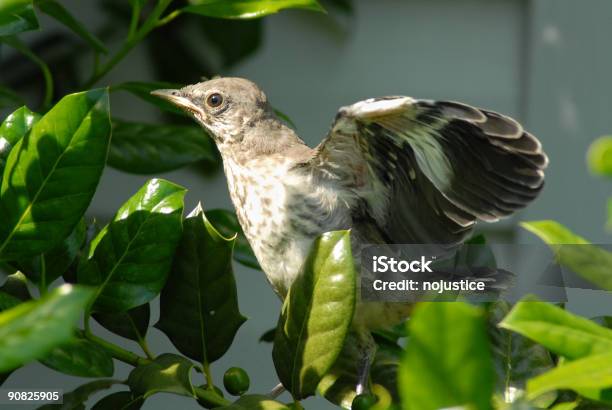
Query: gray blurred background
[(545, 62)]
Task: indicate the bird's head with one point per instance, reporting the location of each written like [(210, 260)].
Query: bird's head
[(223, 106)]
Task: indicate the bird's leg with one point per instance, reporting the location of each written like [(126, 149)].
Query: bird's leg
[(367, 347)]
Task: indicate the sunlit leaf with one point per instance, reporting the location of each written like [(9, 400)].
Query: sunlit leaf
[(448, 360), (59, 12), (589, 261), (246, 9), (592, 372), (32, 329), (169, 373), (599, 156), (16, 16), (13, 129), (199, 304), (153, 148), (316, 315), (558, 330), (80, 357), (52, 173), (227, 225), (129, 260)]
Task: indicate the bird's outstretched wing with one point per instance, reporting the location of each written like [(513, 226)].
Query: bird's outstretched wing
[(425, 171)]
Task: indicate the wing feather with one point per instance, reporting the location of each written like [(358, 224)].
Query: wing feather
[(426, 171)]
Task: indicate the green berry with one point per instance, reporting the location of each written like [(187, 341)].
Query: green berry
[(236, 381), (364, 402)]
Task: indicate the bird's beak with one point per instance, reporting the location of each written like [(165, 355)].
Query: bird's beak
[(177, 98)]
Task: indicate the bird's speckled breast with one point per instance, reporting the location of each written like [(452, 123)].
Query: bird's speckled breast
[(281, 209)]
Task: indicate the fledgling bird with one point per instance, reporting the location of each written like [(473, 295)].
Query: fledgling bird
[(391, 169)]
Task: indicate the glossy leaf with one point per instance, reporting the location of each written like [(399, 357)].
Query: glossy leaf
[(59, 12), (199, 304), (247, 9), (32, 329), (599, 156), (14, 128), (76, 399), (227, 225), (316, 315), (17, 16), (80, 357), (129, 260), (57, 260), (132, 324), (516, 358), (589, 261), (447, 362), (558, 330), (169, 373), (593, 372), (338, 385), (143, 90), (52, 174), (121, 400), (152, 148), (255, 402)]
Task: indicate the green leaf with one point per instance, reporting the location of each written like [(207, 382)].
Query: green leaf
[(447, 362), (338, 385), (516, 358), (14, 128), (143, 90), (151, 148), (255, 402), (129, 260), (16, 16), (132, 324), (316, 315), (59, 12), (593, 372), (562, 332), (599, 156), (589, 261), (227, 225), (247, 9), (32, 329), (76, 399), (268, 336), (199, 304), (81, 358), (57, 260), (169, 373), (13, 292), (52, 174), (121, 400)]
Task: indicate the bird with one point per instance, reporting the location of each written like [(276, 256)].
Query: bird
[(393, 170)]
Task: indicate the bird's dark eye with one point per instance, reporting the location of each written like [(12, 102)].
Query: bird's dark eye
[(214, 100)]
